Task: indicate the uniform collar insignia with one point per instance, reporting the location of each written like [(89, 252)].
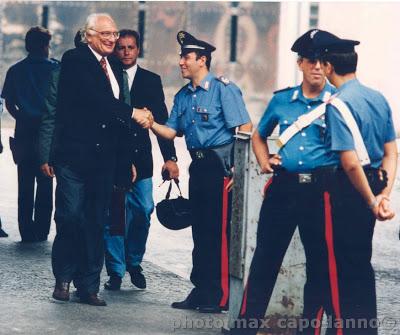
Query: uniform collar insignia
[(295, 95)]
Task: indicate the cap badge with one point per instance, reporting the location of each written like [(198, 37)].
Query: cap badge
[(181, 36), (312, 34)]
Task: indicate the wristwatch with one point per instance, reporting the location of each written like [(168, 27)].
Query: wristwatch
[(173, 158)]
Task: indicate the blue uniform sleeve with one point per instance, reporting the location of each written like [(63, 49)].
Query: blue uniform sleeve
[(233, 107), (269, 120), (8, 92), (173, 120), (390, 133), (339, 133)]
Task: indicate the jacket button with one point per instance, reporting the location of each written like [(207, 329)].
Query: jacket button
[(134, 134), (136, 150), (103, 126)]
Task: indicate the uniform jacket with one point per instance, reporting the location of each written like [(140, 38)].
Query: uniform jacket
[(89, 119), (147, 91)]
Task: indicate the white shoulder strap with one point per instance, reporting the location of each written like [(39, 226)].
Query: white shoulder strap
[(302, 122), (348, 117)]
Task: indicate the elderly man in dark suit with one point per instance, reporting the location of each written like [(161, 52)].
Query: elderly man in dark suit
[(88, 120), (125, 247)]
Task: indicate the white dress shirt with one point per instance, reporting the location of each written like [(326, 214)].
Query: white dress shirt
[(113, 80), (131, 75)]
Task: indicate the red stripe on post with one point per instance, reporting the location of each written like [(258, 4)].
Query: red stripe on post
[(333, 277), (224, 247)]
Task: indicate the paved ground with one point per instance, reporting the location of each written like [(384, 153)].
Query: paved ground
[(26, 281)]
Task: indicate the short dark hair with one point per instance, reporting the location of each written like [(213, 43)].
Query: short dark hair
[(130, 33), (343, 63), (36, 39), (200, 53)]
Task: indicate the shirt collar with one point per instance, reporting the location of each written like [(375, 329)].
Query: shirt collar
[(323, 96), (349, 83), (132, 71), (96, 54), (204, 84)]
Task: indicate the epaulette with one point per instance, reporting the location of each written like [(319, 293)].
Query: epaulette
[(224, 80), (283, 89)]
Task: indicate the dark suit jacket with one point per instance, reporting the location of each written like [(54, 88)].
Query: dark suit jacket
[(147, 91), (89, 119)]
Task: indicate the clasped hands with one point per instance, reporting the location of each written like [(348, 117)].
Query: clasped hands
[(143, 117), (381, 208)]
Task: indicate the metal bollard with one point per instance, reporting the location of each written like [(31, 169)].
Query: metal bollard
[(287, 298)]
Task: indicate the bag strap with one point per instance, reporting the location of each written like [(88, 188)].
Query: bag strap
[(170, 188)]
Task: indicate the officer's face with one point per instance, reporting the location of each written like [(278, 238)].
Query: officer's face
[(312, 72), (127, 51), (102, 45), (190, 66)]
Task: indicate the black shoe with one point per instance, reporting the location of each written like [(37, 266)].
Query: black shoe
[(192, 301), (210, 309), (114, 283), (61, 291), (92, 299), (137, 277), (3, 233)]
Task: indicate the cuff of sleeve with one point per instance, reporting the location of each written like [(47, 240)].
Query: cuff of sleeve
[(133, 113)]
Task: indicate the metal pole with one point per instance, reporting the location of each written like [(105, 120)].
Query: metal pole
[(45, 16)]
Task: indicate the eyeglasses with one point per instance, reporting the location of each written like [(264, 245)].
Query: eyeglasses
[(107, 34)]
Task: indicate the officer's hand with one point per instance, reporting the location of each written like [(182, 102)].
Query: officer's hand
[(47, 170), (229, 186), (381, 209), (275, 160), (134, 173), (144, 117), (170, 170), (384, 210), (266, 168)]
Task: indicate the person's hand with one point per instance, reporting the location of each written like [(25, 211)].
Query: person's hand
[(266, 168), (134, 173), (384, 210), (275, 160), (143, 117), (381, 208), (229, 186), (47, 170), (170, 170)]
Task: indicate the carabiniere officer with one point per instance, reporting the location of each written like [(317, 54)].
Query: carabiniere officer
[(294, 193), (207, 111)]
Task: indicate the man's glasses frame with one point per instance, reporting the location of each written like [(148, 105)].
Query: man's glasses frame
[(107, 34)]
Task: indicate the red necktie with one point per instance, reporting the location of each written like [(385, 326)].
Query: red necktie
[(103, 64)]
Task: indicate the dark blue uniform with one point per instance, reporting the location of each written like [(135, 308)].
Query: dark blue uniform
[(350, 280), (207, 115), (287, 200), (26, 86)]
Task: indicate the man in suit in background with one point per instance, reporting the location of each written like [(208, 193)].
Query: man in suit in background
[(2, 232), (142, 88), (88, 121)]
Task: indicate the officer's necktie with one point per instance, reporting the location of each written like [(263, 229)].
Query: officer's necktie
[(103, 64), (126, 90)]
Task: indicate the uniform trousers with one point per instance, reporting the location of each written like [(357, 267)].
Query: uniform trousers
[(34, 208), (127, 251), (82, 205), (210, 229), (287, 204), (348, 296)]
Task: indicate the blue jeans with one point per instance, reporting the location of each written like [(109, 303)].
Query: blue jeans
[(124, 252)]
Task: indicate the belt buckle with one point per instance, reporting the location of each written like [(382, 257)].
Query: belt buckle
[(199, 154), (305, 178)]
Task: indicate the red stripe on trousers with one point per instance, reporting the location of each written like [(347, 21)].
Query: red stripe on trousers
[(244, 300), (333, 278), (320, 313), (224, 247), (269, 182)]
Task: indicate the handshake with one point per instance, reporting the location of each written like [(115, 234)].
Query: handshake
[(144, 117)]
